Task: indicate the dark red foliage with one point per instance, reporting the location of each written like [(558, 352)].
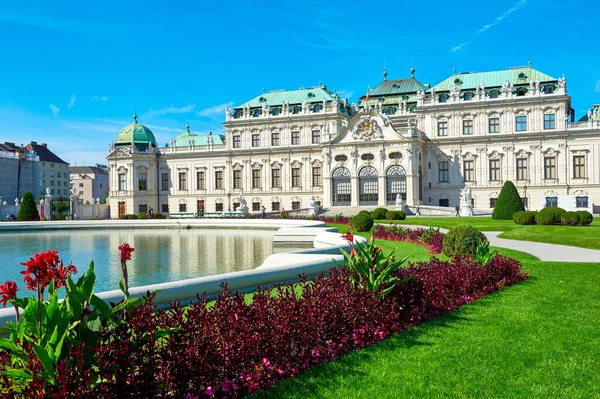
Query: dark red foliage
[(434, 243), (233, 348)]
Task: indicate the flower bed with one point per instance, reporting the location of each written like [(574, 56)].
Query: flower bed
[(430, 238), (233, 348)]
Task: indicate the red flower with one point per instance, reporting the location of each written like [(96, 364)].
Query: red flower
[(8, 291), (43, 269), (61, 274), (348, 237), (126, 251)]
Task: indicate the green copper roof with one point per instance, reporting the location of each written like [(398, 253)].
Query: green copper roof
[(183, 140), (135, 133), (516, 76), (595, 111), (397, 86), (278, 97)]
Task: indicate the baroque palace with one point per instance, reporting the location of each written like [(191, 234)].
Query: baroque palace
[(426, 143)]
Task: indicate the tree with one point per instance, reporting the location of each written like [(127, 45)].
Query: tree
[(508, 202), (28, 210)]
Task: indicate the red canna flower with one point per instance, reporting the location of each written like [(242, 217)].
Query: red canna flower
[(61, 274), (40, 270), (126, 251), (348, 237), (8, 291)]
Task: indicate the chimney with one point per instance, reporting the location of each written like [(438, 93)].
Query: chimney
[(34, 143), (45, 145)]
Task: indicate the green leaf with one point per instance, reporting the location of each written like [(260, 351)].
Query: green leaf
[(95, 324), (30, 314), (99, 305), (17, 373), (87, 287), (46, 362), (74, 303)]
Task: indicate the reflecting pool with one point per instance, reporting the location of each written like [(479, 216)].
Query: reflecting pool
[(159, 256)]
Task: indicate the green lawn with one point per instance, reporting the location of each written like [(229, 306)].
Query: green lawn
[(537, 339), (576, 236)]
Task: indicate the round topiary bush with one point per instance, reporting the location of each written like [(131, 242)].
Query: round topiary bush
[(585, 218), (28, 210), (395, 215), (508, 202), (551, 215), (462, 241), (524, 217), (379, 213), (570, 218), (362, 222), (364, 211)]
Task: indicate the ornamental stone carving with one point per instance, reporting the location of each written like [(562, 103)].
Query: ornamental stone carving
[(367, 129)]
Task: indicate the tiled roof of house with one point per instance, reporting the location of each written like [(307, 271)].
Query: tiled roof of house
[(516, 76), (278, 97), (44, 153)]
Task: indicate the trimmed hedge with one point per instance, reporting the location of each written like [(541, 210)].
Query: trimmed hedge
[(395, 215), (524, 217), (549, 215), (362, 222), (462, 241), (509, 202), (570, 218), (379, 213), (585, 218), (28, 210)]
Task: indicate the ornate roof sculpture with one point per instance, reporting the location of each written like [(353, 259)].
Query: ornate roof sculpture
[(188, 138), (394, 95), (135, 134)]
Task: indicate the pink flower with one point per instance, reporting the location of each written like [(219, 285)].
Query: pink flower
[(209, 391), (8, 291)]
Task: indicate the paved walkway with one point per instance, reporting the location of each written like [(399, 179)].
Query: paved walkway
[(545, 252)]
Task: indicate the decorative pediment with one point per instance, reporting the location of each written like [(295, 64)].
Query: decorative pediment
[(522, 153), (142, 169), (256, 165), (276, 164), (367, 129), (121, 169), (237, 166), (296, 164), (495, 155), (316, 162), (469, 156), (550, 152)]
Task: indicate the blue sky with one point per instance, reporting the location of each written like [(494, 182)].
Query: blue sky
[(73, 73)]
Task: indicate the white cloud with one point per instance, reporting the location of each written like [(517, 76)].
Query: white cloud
[(55, 109), (345, 93), (598, 86), (170, 110), (72, 101), (485, 27), (98, 98), (216, 110)]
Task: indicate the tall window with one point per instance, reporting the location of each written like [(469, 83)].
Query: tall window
[(295, 205), (295, 138), (295, 177), (442, 128), (275, 139), (494, 125), (579, 166), (182, 181), (521, 123), (219, 207), (443, 165), (468, 126), (316, 136), (581, 202), (276, 178), (521, 168), (549, 168), (256, 178), (317, 180), (549, 121), (218, 179), (237, 141), (164, 181), (200, 180), (256, 140), (122, 182), (494, 169), (469, 170), (237, 179), (142, 181), (182, 207)]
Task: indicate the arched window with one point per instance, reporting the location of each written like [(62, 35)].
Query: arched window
[(443, 98)]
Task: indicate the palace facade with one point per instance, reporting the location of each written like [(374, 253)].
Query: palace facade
[(423, 142)]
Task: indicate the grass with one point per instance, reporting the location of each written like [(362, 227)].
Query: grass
[(538, 339), (576, 236)]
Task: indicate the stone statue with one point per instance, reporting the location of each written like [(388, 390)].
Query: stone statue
[(455, 93), (93, 201), (227, 111), (47, 190), (98, 200), (398, 199), (595, 113), (537, 85), (4, 203), (507, 87), (420, 94), (16, 202), (467, 195), (531, 85), (589, 115), (243, 203), (42, 201), (562, 82), (312, 202)]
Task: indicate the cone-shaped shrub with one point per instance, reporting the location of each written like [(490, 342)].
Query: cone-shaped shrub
[(28, 209), (508, 202)]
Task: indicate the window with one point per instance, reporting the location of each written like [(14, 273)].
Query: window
[(551, 201), (581, 202), (164, 181), (142, 208), (494, 125), (122, 182), (444, 202), (525, 202), (316, 136), (493, 202), (275, 206), (340, 158), (236, 205), (295, 138), (256, 178), (164, 208), (182, 180), (317, 181), (469, 170), (276, 178), (256, 140), (51, 174), (494, 170), (237, 141), (521, 92), (218, 179), (182, 207), (200, 180), (548, 89), (493, 94), (443, 98), (219, 207), (468, 126), (579, 166), (468, 96), (296, 177), (549, 168), (295, 205), (237, 179), (51, 165), (275, 139), (80, 184), (142, 181), (549, 121), (442, 128), (81, 193), (443, 166), (58, 174), (521, 123), (255, 206), (521, 168)]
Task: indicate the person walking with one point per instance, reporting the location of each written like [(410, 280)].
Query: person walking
[(263, 212), (457, 209)]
